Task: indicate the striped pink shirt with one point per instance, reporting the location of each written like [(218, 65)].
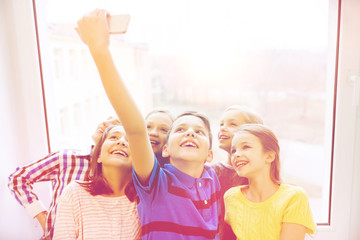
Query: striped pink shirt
[(83, 216), (60, 168)]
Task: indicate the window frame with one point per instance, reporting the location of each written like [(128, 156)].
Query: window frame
[(343, 169)]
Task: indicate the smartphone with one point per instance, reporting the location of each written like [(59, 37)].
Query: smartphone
[(118, 23)]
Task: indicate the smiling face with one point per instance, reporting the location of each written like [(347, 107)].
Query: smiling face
[(230, 122), (158, 124), (248, 156), (115, 150), (189, 140)]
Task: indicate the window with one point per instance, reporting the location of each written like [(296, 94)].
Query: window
[(274, 56)]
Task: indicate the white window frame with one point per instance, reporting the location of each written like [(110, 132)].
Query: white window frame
[(345, 191)]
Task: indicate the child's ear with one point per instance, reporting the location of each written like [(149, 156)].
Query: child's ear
[(210, 156), (270, 156), (165, 152)]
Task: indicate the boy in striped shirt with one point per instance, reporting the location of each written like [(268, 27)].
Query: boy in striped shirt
[(181, 200)]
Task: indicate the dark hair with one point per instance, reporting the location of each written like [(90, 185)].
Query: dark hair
[(203, 118), (269, 142), (167, 112), (97, 184)]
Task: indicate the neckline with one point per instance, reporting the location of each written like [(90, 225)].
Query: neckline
[(112, 198), (259, 204), (186, 179)]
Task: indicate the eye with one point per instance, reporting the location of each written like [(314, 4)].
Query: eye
[(246, 147), (148, 126), (113, 137), (233, 151), (221, 124), (233, 124), (200, 132), (164, 130), (180, 129)]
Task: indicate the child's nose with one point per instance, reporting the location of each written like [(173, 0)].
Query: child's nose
[(153, 132), (123, 142), (190, 132), (236, 154), (223, 128)]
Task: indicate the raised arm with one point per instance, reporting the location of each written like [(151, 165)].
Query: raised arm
[(93, 31)]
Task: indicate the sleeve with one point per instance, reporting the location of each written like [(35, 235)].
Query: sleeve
[(226, 199), (147, 193), (65, 226), (215, 166), (298, 211), (22, 180)]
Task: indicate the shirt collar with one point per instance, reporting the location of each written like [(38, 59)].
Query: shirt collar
[(186, 179)]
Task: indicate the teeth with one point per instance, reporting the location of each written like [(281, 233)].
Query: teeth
[(154, 142), (241, 163), (223, 137), (122, 153), (189, 144)]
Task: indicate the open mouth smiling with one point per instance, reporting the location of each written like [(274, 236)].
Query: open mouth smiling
[(240, 163), (120, 152), (223, 137), (189, 144), (154, 142)]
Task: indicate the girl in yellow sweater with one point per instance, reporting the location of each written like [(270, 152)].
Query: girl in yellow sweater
[(265, 208)]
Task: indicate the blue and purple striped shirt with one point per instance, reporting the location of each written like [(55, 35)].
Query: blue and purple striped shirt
[(175, 205), (60, 168)]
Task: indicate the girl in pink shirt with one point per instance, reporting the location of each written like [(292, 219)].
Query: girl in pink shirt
[(106, 206)]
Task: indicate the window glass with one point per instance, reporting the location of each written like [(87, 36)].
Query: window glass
[(273, 56)]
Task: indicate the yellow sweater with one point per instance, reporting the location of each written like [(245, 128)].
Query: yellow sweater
[(263, 220)]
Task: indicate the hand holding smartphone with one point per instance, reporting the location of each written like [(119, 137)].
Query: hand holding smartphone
[(118, 23)]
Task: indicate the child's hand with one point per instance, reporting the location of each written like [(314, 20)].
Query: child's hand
[(102, 126), (93, 29), (41, 217)]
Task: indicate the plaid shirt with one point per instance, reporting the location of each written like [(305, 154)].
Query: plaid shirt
[(60, 168)]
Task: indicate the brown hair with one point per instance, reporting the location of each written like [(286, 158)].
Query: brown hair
[(203, 118), (269, 142), (160, 111), (249, 115), (97, 184)]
